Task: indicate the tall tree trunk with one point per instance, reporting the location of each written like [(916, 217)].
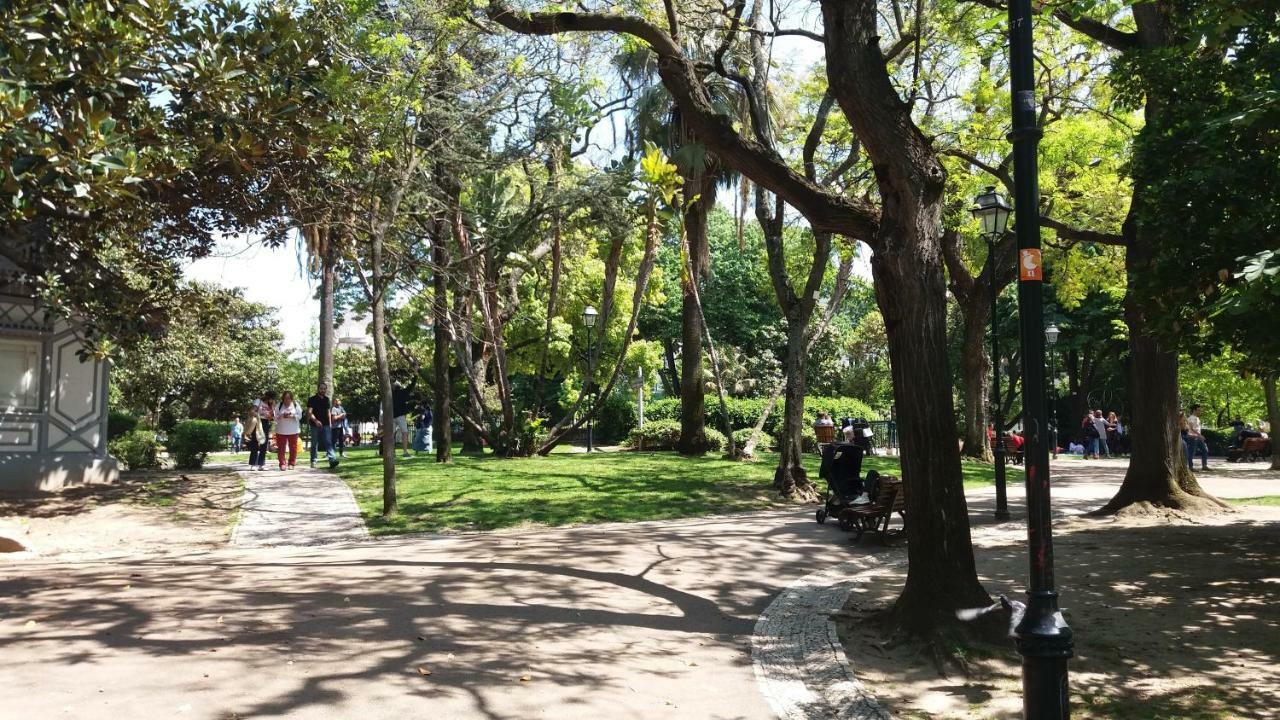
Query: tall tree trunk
[(442, 416), (390, 503), (1158, 476), (790, 478), (975, 374), (553, 292), (693, 438), (670, 374), (727, 426), (941, 575), (837, 297), (328, 272), (1273, 418), (472, 442)]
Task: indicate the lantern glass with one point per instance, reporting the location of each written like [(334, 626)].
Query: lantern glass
[(1051, 334), (589, 316), (992, 212)]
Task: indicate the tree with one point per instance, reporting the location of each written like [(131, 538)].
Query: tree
[(1174, 64), (136, 133), (904, 232), (212, 369)]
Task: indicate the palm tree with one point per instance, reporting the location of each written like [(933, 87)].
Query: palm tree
[(655, 118)]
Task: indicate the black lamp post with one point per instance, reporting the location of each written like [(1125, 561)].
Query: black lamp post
[(589, 321), (992, 211), (1051, 337), (1042, 636)]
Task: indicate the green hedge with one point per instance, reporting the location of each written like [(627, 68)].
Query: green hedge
[(120, 423), (136, 450), (766, 442), (665, 435), (192, 441), (743, 412)]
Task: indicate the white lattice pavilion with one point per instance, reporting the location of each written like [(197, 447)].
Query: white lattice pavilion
[(53, 406)]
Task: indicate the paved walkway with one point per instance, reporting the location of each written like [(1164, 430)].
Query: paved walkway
[(296, 507), (658, 619)]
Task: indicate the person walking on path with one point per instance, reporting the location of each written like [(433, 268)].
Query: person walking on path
[(288, 427), (237, 434), (255, 438), (400, 407), (1195, 440), (319, 417), (338, 433), (266, 407)]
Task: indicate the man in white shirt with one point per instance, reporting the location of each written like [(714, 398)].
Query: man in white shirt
[(1195, 440)]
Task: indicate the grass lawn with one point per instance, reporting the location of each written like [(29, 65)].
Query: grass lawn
[(485, 493), (1272, 500)]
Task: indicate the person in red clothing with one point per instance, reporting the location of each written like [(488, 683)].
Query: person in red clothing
[(288, 427)]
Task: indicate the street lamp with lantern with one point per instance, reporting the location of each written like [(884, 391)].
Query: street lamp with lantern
[(1051, 337), (589, 316), (992, 212), (1042, 636)]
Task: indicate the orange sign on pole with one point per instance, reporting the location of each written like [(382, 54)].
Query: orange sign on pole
[(1029, 264)]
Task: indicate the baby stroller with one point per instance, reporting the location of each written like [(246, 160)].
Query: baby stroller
[(842, 469), (861, 431)]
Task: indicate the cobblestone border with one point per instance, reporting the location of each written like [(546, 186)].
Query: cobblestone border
[(800, 665)]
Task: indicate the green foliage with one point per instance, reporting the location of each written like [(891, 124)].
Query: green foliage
[(1209, 163), (190, 442), (120, 423), (715, 440), (137, 132), (663, 434), (766, 441), (211, 366), (616, 417), (743, 412), (136, 450)]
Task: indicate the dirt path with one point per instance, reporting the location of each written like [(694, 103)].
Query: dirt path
[(1171, 620), (146, 512)]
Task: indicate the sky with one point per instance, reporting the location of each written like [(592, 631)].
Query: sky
[(271, 276)]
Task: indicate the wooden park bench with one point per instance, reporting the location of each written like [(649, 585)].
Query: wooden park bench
[(1011, 450), (890, 499)]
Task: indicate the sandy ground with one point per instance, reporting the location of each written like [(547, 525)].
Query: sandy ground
[(147, 511), (1171, 620)]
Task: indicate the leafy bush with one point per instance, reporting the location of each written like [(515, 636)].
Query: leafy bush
[(655, 435), (766, 442), (616, 417), (120, 423), (191, 441), (665, 435), (715, 440), (743, 412), (136, 450)]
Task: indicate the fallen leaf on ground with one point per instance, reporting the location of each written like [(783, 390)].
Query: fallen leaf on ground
[(422, 670), (525, 678)]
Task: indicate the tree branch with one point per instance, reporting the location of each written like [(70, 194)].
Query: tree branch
[(825, 211), (1082, 235)]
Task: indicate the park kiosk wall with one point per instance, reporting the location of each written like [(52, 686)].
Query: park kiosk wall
[(53, 405)]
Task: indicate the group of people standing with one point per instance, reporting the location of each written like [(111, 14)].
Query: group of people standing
[(1103, 436), (283, 420)]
